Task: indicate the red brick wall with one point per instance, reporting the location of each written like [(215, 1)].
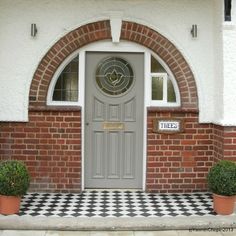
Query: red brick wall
[(229, 148), (224, 143), (218, 142), (179, 162), (50, 145)]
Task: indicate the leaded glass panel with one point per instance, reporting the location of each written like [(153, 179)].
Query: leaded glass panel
[(156, 67), (66, 88), (114, 76), (157, 88), (171, 97)]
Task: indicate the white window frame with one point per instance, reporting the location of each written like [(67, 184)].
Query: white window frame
[(107, 46), (53, 82), (164, 102), (166, 76)]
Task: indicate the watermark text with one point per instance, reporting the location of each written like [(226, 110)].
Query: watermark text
[(226, 229)]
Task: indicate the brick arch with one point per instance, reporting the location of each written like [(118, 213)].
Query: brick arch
[(130, 31)]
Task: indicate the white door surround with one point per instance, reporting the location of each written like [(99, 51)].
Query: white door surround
[(111, 47)]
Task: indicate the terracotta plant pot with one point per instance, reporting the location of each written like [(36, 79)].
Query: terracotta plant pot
[(9, 205), (223, 205)]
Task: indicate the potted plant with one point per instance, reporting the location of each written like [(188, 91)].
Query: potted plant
[(14, 182), (222, 182)]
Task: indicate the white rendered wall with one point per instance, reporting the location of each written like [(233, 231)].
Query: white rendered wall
[(20, 54), (229, 49), (218, 81)]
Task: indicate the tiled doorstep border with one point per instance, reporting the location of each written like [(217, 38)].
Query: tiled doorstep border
[(109, 224), (119, 203)]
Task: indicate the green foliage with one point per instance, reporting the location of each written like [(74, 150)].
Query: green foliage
[(222, 178), (14, 178)]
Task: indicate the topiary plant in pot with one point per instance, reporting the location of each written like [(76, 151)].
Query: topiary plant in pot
[(222, 182), (14, 182)]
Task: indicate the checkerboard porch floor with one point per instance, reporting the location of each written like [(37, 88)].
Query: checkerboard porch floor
[(105, 203)]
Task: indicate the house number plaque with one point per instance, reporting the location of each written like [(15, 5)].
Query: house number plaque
[(113, 126), (169, 126)]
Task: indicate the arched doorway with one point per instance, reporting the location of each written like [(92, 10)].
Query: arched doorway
[(74, 43)]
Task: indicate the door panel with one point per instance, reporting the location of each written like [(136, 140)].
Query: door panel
[(129, 155), (114, 149), (99, 110), (98, 155), (114, 112), (114, 120), (130, 110)]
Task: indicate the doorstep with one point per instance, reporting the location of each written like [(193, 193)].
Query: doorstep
[(117, 224), (116, 210)]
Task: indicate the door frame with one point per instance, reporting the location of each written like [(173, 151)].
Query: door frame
[(106, 46)]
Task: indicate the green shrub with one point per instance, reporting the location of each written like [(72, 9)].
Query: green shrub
[(222, 178), (14, 178)]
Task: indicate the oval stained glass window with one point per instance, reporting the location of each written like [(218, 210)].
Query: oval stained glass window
[(114, 76)]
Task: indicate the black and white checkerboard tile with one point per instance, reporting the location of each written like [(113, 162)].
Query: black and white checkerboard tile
[(116, 204)]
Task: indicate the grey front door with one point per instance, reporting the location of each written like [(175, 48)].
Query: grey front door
[(114, 120)]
